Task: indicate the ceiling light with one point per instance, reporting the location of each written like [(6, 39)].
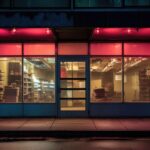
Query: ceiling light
[(97, 31), (48, 31), (129, 30), (13, 30)]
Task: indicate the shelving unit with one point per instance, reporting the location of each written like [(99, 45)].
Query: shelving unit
[(1, 86), (144, 82), (28, 86)]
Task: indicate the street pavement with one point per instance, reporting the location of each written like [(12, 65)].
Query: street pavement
[(75, 124)]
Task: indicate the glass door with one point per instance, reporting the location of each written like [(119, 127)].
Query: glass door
[(73, 88)]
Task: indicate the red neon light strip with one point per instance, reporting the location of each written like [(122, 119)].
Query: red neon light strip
[(10, 49), (106, 49), (39, 49)]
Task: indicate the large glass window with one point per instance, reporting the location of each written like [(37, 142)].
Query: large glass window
[(137, 2), (39, 80), (42, 3), (137, 79), (10, 80), (106, 79), (97, 3)]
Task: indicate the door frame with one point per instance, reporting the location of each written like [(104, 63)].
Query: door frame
[(87, 73)]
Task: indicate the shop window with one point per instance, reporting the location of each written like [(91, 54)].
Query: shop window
[(42, 3), (10, 80), (106, 79), (72, 49), (41, 49), (137, 72), (97, 3), (39, 80), (137, 2), (137, 79), (106, 49)]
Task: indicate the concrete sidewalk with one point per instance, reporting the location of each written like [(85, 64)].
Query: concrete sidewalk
[(82, 124)]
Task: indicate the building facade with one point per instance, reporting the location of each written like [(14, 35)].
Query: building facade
[(75, 58)]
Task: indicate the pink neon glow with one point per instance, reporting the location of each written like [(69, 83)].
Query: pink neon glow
[(10, 49), (26, 34), (39, 49), (106, 49), (121, 34), (141, 49)]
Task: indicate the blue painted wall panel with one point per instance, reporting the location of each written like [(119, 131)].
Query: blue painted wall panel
[(11, 110), (40, 110), (120, 110)]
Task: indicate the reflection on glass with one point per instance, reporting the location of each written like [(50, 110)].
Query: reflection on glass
[(106, 79), (39, 80), (137, 79), (72, 70), (10, 80), (73, 105)]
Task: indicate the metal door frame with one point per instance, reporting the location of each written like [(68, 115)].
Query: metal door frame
[(87, 73)]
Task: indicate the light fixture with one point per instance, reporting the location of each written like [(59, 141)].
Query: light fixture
[(13, 30), (129, 30), (97, 31), (48, 31)]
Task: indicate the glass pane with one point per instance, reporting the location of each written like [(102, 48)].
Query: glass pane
[(106, 79), (73, 105), (78, 83), (39, 80), (72, 93), (10, 80), (137, 79), (66, 84), (72, 84), (4, 3), (97, 3), (66, 70), (66, 94), (78, 69), (72, 70), (78, 93), (42, 3), (137, 2)]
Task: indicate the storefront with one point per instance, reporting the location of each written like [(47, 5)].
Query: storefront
[(99, 78)]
